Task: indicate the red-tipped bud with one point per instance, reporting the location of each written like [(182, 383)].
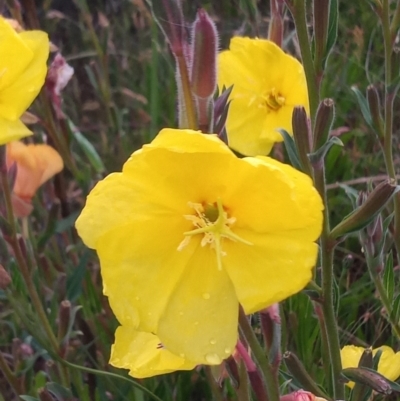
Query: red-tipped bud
[(204, 56), (275, 31)]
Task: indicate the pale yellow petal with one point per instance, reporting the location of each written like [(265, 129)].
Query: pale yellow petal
[(143, 354), (200, 318)]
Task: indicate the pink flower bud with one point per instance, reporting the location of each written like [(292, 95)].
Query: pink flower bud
[(299, 395), (59, 74)]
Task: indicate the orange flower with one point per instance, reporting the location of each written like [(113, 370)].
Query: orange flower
[(35, 165)]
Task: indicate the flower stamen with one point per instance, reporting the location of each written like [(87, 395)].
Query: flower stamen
[(274, 100), (211, 220)]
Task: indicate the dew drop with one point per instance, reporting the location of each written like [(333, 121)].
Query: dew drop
[(227, 350), (213, 341), (149, 314), (181, 313), (182, 355), (206, 295), (213, 359), (137, 298), (196, 323)]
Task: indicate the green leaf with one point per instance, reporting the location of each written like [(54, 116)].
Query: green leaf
[(332, 27), (28, 398), (75, 280), (320, 154), (62, 393), (388, 277), (362, 102), (67, 223), (87, 148), (395, 314), (291, 149)]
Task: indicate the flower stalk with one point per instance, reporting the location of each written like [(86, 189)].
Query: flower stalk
[(388, 110), (327, 245), (298, 10), (269, 378)]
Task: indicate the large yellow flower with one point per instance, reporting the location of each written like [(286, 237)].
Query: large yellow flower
[(267, 85), (23, 57), (188, 231), (388, 366)]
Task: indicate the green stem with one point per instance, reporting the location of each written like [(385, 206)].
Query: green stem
[(326, 253), (187, 113), (215, 388), (373, 270), (110, 374), (299, 16), (9, 375), (270, 379), (395, 24), (388, 118), (23, 266)]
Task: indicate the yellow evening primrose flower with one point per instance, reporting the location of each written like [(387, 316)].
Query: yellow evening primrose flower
[(23, 69), (186, 232), (267, 85), (388, 366)]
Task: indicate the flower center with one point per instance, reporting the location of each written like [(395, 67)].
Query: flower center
[(212, 221), (274, 100)]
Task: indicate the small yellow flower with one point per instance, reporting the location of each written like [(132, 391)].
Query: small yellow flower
[(389, 363), (23, 57), (187, 231), (267, 85)]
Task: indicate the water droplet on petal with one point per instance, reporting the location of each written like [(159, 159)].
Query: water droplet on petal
[(137, 298), (213, 341), (227, 350), (149, 314), (181, 313), (213, 359), (206, 295), (182, 355), (196, 323)]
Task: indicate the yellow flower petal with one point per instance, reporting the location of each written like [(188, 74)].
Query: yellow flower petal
[(23, 70), (143, 354), (276, 267), (267, 85), (388, 366), (272, 197), (15, 56), (200, 319), (16, 96), (12, 130)]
